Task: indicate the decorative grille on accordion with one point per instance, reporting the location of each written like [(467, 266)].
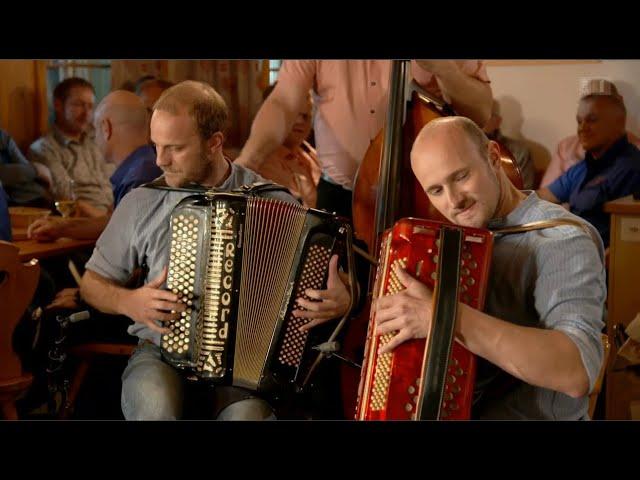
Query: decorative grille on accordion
[(239, 262)]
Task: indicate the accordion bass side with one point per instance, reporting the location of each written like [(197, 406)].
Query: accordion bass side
[(392, 384), (239, 262)]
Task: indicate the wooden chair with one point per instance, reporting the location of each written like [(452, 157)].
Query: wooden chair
[(18, 283), (593, 396), (87, 353)]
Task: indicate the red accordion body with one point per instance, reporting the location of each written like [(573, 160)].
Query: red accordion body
[(390, 383)]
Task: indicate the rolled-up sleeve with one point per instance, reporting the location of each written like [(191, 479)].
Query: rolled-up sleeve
[(116, 255), (570, 293)]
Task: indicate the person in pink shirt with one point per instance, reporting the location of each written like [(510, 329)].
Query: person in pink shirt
[(294, 164), (569, 151), (351, 98)]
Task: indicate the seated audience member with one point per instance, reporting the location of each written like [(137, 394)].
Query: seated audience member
[(150, 89), (122, 136), (25, 183), (76, 165), (611, 165), (569, 150), (518, 148), (294, 164)]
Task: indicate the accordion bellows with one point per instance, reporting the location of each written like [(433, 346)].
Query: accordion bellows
[(239, 262)]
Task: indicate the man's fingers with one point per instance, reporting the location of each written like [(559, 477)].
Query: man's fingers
[(152, 325), (402, 336), (168, 306)]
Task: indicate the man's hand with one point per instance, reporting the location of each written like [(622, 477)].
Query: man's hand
[(65, 298), (149, 304), (333, 302), (48, 229), (408, 312)]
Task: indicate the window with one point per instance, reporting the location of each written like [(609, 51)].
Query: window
[(98, 72), (274, 68)]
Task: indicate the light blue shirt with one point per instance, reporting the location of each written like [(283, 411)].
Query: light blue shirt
[(552, 279), (138, 234)]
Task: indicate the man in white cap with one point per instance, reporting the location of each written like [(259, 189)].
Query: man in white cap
[(569, 151), (611, 165)]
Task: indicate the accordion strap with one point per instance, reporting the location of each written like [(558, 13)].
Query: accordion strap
[(255, 189), (445, 303), (543, 224), (260, 188)]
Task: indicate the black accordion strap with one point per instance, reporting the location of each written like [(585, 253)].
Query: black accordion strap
[(445, 309), (260, 188), (255, 189)]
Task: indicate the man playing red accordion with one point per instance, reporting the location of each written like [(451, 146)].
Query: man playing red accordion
[(538, 340)]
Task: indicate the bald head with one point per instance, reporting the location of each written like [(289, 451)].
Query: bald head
[(122, 125), (123, 108), (452, 130)]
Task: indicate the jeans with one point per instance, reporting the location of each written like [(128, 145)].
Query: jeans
[(154, 390)]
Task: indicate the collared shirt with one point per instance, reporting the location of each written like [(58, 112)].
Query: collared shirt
[(296, 169), (138, 234), (550, 279), (351, 98), (17, 174), (588, 185), (79, 161), (567, 154), (5, 220), (138, 168)]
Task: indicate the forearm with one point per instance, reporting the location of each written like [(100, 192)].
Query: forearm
[(268, 131), (539, 357), (85, 228), (469, 96), (103, 294)]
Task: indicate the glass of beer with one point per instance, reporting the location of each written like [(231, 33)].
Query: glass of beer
[(67, 205)]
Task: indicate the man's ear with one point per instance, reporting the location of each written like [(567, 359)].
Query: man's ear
[(493, 150), (107, 128), (215, 142)]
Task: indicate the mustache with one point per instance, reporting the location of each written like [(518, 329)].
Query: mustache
[(467, 204)]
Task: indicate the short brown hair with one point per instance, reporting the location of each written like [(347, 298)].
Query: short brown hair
[(202, 102), (62, 90)]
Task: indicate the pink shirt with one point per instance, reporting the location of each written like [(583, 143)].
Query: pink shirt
[(567, 154), (351, 98)]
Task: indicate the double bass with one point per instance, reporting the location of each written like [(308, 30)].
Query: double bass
[(386, 190)]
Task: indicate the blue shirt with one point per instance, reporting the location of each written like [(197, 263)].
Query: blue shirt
[(17, 174), (589, 184), (5, 221), (138, 168), (550, 279)]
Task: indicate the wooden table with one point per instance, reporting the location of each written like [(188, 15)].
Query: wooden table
[(32, 249), (623, 387)]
